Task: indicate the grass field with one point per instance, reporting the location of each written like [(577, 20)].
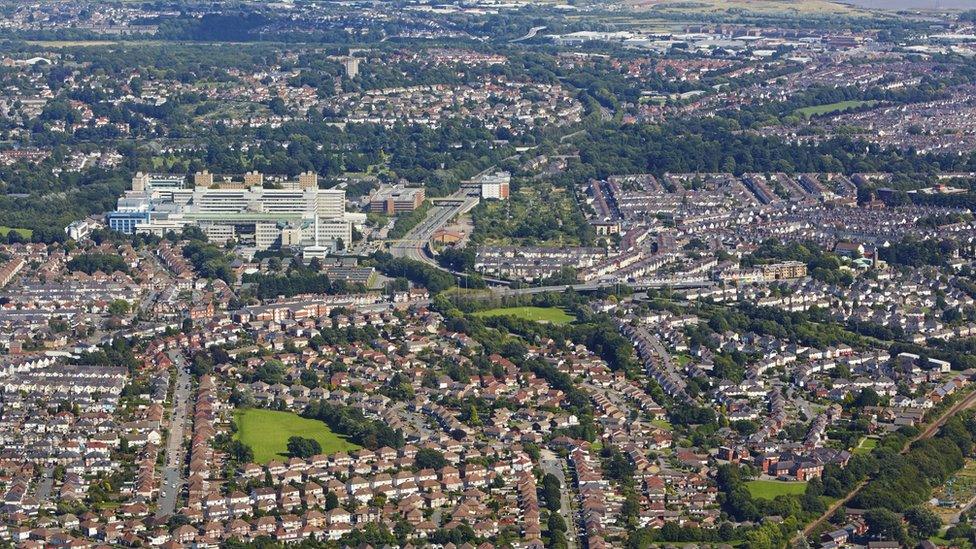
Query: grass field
[(769, 489), (267, 433), (539, 314), (26, 233), (866, 445), (662, 424), (833, 108)]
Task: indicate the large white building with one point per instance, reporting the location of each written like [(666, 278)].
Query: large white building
[(295, 216), (494, 186)]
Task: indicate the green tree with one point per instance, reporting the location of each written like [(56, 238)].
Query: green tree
[(118, 307), (885, 524), (302, 447), (923, 523), (429, 458)]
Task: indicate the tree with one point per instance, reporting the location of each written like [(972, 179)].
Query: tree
[(302, 447), (240, 451), (271, 372), (118, 307), (885, 524), (331, 501), (551, 492), (309, 378), (429, 458), (556, 523), (923, 523), (277, 106)]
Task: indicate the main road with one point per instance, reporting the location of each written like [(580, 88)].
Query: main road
[(441, 212), (172, 479)]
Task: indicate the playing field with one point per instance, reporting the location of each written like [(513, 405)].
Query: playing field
[(538, 314), (769, 489), (267, 433), (819, 110)]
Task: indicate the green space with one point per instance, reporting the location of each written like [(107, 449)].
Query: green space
[(866, 445), (267, 433), (833, 108), (538, 214), (769, 489), (662, 424), (26, 233), (959, 488), (552, 315)]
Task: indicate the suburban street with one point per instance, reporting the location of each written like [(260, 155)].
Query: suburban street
[(551, 463), (175, 451)]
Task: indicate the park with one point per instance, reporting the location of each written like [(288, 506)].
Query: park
[(552, 315), (267, 433)]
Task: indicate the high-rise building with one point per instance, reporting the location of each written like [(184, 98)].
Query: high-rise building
[(154, 181), (203, 179), (308, 180), (495, 186), (253, 179), (352, 66)]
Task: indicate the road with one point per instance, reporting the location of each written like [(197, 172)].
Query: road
[(441, 212), (550, 463), (150, 299), (175, 451), (46, 484), (596, 285), (929, 432), (657, 361), (529, 35)]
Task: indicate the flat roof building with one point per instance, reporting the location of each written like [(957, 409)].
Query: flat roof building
[(297, 216), (396, 200)]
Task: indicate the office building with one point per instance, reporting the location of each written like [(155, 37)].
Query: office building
[(396, 200)]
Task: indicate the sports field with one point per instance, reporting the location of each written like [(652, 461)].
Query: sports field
[(833, 108), (267, 433), (553, 315), (769, 489)]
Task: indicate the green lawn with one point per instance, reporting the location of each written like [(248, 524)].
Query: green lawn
[(662, 424), (26, 233), (769, 489), (866, 445), (538, 314), (267, 433), (832, 108)]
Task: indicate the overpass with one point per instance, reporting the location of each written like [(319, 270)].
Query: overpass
[(442, 211)]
